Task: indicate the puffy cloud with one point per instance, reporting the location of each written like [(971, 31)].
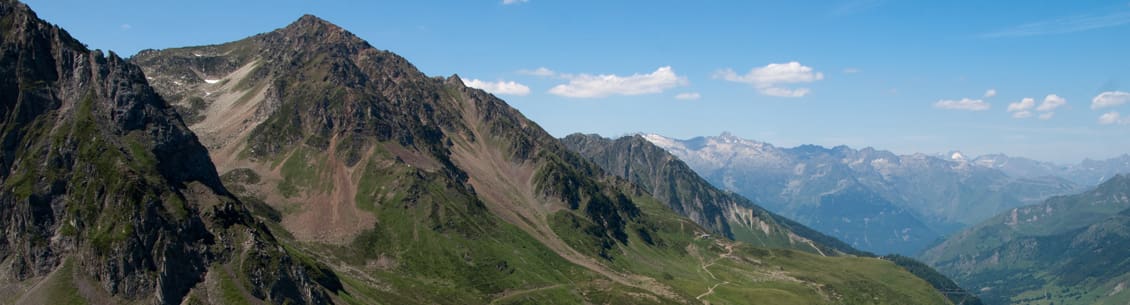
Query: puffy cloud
[(1109, 118), (509, 2), (499, 87), (990, 93), (769, 79), (962, 104), (1024, 104), (1023, 108), (688, 96), (1051, 102), (591, 86), (540, 71), (1109, 99)]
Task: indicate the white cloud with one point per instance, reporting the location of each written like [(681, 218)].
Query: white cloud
[(540, 71), (990, 93), (1110, 99), (852, 70), (509, 2), (963, 104), (590, 86), (499, 87), (1051, 102), (1112, 117), (688, 96), (768, 79), (1024, 104), (1023, 108)]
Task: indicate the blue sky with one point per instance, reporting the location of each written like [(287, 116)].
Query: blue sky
[(908, 76)]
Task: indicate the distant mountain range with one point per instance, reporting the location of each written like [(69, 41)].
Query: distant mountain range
[(1086, 173), (1067, 250), (876, 200)]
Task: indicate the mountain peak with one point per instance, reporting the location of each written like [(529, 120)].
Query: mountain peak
[(455, 80), (957, 156), (308, 21), (310, 30)]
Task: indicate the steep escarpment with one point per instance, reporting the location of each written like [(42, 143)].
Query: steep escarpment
[(107, 196)]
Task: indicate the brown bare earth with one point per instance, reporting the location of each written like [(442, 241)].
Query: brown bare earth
[(330, 216)]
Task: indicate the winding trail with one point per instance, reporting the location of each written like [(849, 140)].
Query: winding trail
[(729, 252)]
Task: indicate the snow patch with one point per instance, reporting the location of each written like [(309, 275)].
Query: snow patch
[(659, 140), (211, 81)]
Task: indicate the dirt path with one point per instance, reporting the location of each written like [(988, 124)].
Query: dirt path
[(709, 292), (513, 293)]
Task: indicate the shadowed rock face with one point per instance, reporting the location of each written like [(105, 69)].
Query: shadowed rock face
[(99, 173)]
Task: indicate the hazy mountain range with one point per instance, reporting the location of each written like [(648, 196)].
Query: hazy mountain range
[(877, 200)]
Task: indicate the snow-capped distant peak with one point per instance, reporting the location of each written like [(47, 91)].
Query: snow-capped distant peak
[(957, 156), (659, 140)]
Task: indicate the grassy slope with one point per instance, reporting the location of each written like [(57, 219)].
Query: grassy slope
[(1067, 250)]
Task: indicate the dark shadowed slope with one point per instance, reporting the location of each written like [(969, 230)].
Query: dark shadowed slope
[(108, 198)]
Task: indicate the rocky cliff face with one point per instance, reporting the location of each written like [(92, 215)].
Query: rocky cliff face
[(107, 195)]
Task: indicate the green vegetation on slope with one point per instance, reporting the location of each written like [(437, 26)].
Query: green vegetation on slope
[(1067, 250)]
